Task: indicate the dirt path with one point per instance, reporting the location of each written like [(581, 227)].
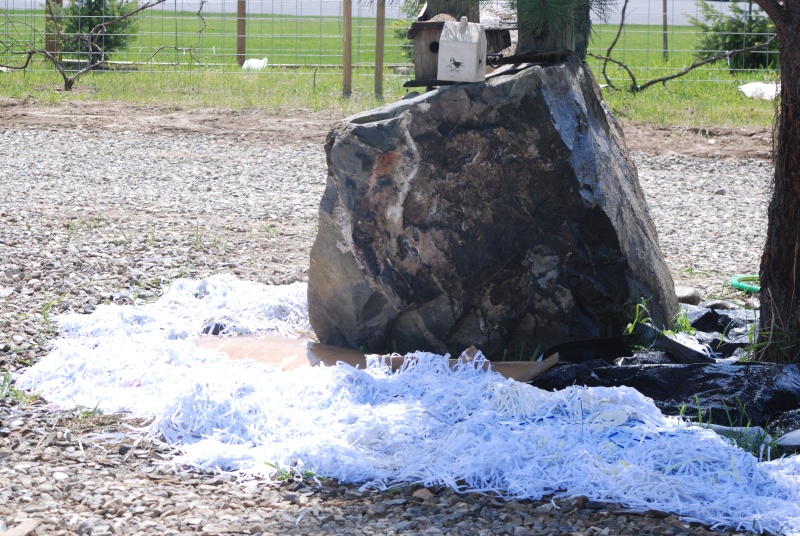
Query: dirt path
[(304, 127)]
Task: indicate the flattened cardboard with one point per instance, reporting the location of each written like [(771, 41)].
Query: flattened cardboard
[(290, 354)]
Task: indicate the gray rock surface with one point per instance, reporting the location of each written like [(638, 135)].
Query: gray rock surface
[(688, 295), (504, 215)]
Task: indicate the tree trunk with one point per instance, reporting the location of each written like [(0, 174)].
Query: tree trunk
[(780, 263)]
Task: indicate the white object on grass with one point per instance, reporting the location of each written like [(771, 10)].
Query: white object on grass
[(254, 64), (761, 90), (427, 423)]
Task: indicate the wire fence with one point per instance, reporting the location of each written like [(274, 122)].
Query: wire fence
[(658, 38), (663, 37), (188, 35)]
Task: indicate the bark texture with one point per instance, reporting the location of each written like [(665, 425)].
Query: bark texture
[(780, 270)]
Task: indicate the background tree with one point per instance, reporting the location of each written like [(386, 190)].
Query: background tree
[(742, 28), (81, 16), (95, 54), (780, 263)]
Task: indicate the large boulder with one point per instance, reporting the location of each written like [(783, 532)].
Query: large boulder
[(506, 215)]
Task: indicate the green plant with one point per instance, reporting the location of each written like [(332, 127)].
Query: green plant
[(270, 230), (293, 473), (782, 343), (8, 391), (198, 238), (682, 324), (84, 413), (738, 431), (47, 310), (400, 28), (151, 240), (741, 29), (81, 16), (640, 316), (73, 226), (400, 31)]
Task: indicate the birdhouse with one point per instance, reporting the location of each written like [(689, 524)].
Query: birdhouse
[(462, 52), (426, 49)]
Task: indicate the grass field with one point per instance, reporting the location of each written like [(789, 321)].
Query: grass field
[(208, 75), (706, 96), (284, 39)]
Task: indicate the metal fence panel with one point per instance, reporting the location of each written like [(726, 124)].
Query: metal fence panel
[(202, 34)]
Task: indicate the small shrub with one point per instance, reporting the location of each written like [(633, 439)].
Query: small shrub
[(400, 28), (743, 28), (400, 31), (81, 16)]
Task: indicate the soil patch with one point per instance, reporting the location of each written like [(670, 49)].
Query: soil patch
[(292, 127)]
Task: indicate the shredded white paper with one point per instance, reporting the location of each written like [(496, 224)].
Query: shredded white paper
[(427, 423)]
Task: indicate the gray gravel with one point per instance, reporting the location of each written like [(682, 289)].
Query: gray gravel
[(711, 214), (90, 217)]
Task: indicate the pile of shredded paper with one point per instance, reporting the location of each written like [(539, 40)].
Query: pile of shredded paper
[(427, 423)]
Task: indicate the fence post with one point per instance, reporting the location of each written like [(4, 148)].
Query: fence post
[(379, 41), (347, 27), (51, 43), (241, 31), (665, 31)]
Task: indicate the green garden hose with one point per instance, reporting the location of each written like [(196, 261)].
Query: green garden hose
[(739, 282)]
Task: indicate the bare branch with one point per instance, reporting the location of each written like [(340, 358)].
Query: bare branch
[(606, 59), (102, 28), (91, 41), (635, 88), (24, 66), (96, 31), (191, 50), (199, 14), (613, 44), (725, 55), (10, 42), (49, 8)]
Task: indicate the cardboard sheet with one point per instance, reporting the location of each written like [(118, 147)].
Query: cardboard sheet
[(289, 354)]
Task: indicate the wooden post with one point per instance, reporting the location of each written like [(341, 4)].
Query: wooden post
[(347, 27), (380, 30), (665, 31), (51, 43), (241, 31)]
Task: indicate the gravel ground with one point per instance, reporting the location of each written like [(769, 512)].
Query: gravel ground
[(92, 216)]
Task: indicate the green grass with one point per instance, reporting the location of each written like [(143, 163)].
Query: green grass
[(284, 39), (11, 393), (706, 96), (279, 91), (208, 76)]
